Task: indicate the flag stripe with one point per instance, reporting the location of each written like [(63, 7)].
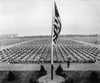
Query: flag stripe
[(56, 24)]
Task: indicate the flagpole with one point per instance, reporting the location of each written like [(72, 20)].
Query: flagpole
[(52, 42)]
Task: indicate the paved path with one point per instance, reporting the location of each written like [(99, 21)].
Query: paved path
[(73, 66), (18, 67), (82, 66)]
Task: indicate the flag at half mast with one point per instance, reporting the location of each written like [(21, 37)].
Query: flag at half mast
[(56, 24)]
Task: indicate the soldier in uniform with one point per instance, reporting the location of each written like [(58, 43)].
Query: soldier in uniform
[(68, 61)]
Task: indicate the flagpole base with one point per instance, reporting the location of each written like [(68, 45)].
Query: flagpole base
[(52, 71)]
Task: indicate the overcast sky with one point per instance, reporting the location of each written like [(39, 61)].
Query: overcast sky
[(34, 17)]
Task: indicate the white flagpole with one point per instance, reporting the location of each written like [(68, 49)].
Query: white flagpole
[(52, 36), (52, 41)]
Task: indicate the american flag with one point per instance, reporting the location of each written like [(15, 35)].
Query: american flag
[(56, 24)]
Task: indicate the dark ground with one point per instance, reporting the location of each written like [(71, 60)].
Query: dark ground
[(32, 76), (81, 76), (17, 76), (22, 76)]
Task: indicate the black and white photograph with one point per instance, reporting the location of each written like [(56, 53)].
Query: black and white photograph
[(49, 41)]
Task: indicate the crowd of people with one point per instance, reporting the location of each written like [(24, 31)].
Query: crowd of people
[(36, 51), (10, 41)]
